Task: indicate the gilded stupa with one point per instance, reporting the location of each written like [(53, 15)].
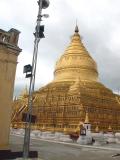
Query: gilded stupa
[(74, 91)]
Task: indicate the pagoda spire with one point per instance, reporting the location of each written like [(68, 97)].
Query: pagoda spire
[(75, 62), (86, 118), (97, 129), (76, 28)]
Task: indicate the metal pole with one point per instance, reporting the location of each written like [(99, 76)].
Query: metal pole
[(32, 84)]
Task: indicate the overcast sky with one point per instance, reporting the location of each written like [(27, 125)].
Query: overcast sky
[(99, 25)]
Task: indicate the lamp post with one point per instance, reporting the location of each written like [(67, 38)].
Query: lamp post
[(30, 71)]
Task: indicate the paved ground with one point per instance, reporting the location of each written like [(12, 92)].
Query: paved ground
[(54, 151)]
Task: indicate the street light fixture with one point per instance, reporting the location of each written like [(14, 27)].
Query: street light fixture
[(30, 71), (45, 4), (45, 15)]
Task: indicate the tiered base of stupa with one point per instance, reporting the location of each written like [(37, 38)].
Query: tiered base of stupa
[(57, 107)]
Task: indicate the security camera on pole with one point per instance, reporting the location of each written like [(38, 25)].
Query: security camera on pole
[(30, 71)]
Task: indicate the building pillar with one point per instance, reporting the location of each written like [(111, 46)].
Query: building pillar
[(9, 52)]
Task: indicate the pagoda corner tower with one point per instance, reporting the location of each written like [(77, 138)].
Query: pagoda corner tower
[(9, 52)]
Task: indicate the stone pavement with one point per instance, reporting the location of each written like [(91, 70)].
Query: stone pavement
[(49, 150)]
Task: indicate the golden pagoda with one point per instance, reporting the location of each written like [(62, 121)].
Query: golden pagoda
[(97, 129), (86, 118), (75, 90)]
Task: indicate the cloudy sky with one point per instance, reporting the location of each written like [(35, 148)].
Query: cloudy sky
[(99, 25)]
